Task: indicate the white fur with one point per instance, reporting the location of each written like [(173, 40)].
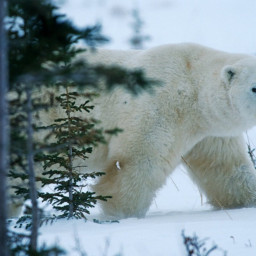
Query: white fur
[(197, 114)]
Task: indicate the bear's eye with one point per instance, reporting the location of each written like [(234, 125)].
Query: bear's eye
[(254, 89)]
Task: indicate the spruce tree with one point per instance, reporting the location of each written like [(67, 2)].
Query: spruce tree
[(74, 136), (37, 35), (40, 38)]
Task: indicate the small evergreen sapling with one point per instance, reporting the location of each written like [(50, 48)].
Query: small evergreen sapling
[(74, 137)]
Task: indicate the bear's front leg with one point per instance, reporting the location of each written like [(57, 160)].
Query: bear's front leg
[(222, 169), (132, 183)]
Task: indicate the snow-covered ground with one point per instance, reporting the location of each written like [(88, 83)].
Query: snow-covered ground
[(223, 24)]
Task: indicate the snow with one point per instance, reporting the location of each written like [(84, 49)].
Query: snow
[(160, 233), (223, 24)]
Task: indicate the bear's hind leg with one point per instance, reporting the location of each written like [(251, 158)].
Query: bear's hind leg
[(222, 169), (132, 190)]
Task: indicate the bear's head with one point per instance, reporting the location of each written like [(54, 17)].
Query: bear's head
[(240, 82)]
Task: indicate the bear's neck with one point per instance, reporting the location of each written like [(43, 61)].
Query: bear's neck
[(221, 117)]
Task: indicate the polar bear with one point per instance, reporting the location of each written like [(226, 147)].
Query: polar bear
[(196, 116)]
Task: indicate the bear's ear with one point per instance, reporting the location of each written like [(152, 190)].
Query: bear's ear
[(228, 73)]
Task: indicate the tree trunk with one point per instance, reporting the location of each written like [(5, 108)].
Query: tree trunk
[(4, 138), (70, 189), (70, 160), (31, 174)]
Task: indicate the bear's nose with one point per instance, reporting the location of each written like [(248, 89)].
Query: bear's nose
[(254, 89)]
